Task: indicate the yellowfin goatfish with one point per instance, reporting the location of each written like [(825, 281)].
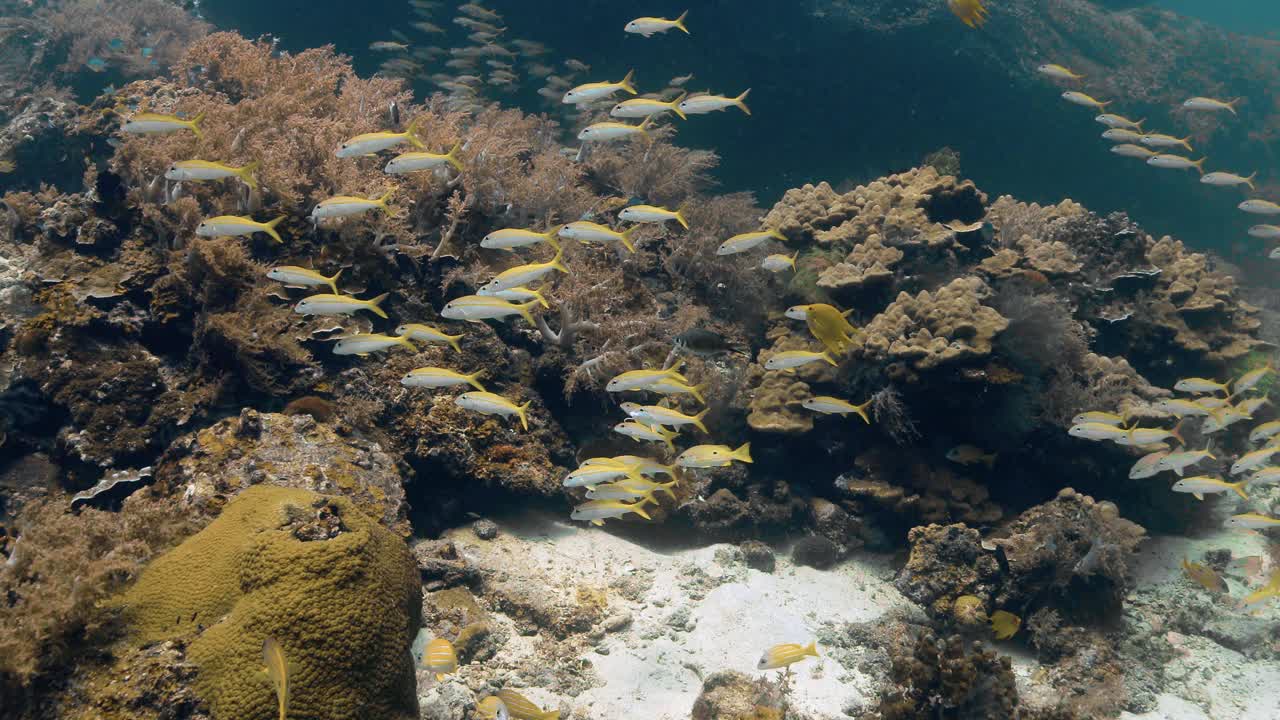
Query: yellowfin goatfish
[(1176, 162), (488, 403), (647, 26), (516, 294), (1251, 405), (1253, 460), (778, 262), (651, 214), (1098, 416), (1138, 437), (434, 377), (620, 491), (1266, 476), (512, 238), (780, 656), (363, 344), (1122, 135), (428, 334), (151, 123), (1265, 431), (1134, 151), (278, 670), (491, 707), (671, 386), (524, 274), (1265, 232), (1266, 592), (474, 308), (1120, 122), (1250, 380), (294, 275), (1182, 408), (1058, 71), (1204, 103), (971, 12), (237, 226), (440, 658), (202, 170), (709, 456), (331, 305), (1204, 485), (642, 379), (1260, 207), (1226, 179), (652, 415), (833, 405), (703, 104), (1200, 385), (584, 231), (644, 466), (638, 431), (422, 160), (375, 142), (1080, 98), (1147, 466), (597, 511), (1096, 431), (971, 455), (1181, 460), (346, 205), (1252, 521), (648, 107), (591, 92), (790, 359), (1004, 624), (748, 241), (522, 709), (610, 131), (1161, 140), (1223, 419), (588, 475)]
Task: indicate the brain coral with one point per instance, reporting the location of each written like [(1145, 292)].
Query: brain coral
[(337, 590)]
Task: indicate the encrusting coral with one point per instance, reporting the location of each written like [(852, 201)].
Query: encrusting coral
[(931, 330)]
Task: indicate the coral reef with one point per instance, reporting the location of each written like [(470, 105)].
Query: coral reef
[(947, 677)]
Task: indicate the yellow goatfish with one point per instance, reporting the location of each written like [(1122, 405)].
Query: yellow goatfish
[(1079, 98), (590, 92), (1120, 122), (488, 403), (597, 511), (524, 274), (294, 275), (434, 377), (833, 405), (237, 226), (778, 262), (642, 379), (346, 205), (1204, 103), (788, 360), (1058, 71), (1202, 485), (1266, 592), (584, 231), (780, 656), (610, 131), (647, 26), (1252, 521), (429, 334), (1176, 162), (375, 142), (651, 214), (330, 305), (703, 104), (422, 160), (672, 386), (512, 238), (1134, 151), (521, 708), (440, 658), (1260, 207), (203, 170), (1250, 379), (748, 241), (516, 294), (1160, 140), (708, 456), (652, 415), (474, 308), (146, 123), (640, 432), (364, 343), (1200, 385), (278, 670), (647, 107), (1227, 179)]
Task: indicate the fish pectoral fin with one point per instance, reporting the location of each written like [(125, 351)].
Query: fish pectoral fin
[(1198, 496), (597, 522)]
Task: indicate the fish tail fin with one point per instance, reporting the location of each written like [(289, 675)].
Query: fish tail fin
[(556, 261), (626, 81), (862, 411), (537, 294), (404, 340), (453, 342), (697, 391), (638, 508), (644, 126), (811, 649), (1103, 105), (411, 132), (1249, 181), (376, 305), (1199, 165), (1176, 432), (245, 173), (697, 420), (474, 381), (679, 22), (333, 281), (523, 412), (776, 234), (625, 238), (743, 453), (830, 360), (740, 101), (269, 228), (1238, 487), (1231, 105), (675, 106), (451, 157), (382, 201), (1185, 142), (1138, 125), (685, 223), (666, 488), (195, 125), (524, 310), (675, 367)]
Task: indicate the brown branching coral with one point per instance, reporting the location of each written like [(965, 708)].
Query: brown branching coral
[(659, 171), (138, 38)]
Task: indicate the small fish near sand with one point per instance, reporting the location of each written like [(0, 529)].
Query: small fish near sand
[(440, 658), (1204, 576), (1206, 485), (1004, 624), (785, 655), (521, 708), (1252, 521), (597, 511)]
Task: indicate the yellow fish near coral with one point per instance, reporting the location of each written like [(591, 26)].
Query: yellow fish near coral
[(747, 241), (829, 326), (491, 707), (1004, 625), (202, 170), (423, 160), (440, 658), (278, 670), (597, 511), (434, 377), (347, 205), (786, 654), (1204, 576), (427, 333), (709, 456), (375, 142), (970, 12), (487, 403), (778, 262), (152, 123), (295, 275), (788, 360), (652, 214), (1266, 592), (237, 226), (331, 305), (364, 343), (834, 405), (521, 708)]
